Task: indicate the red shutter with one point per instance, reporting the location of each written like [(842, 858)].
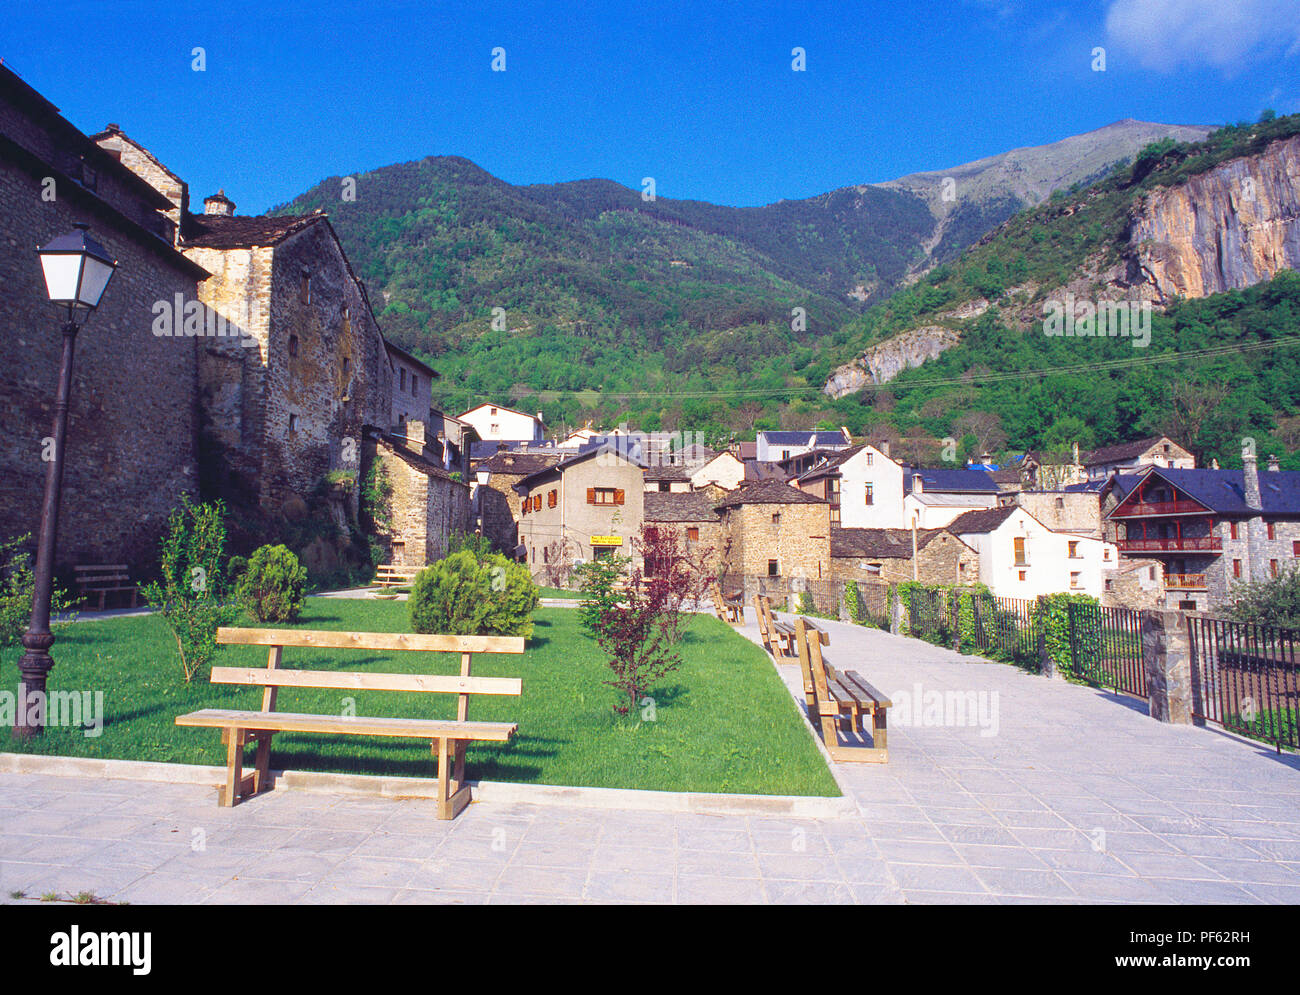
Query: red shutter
[(552, 499), (537, 502), (618, 497), (591, 495)]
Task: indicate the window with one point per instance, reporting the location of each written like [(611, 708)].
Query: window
[(1295, 547), (771, 569), (1110, 584), (1187, 606), (537, 502), (870, 494), (1151, 573), (1019, 546), (546, 554), (1271, 533), (1232, 530), (785, 454), (1236, 568), (1105, 553), (1060, 503), (552, 498), (402, 378), (1074, 549), (1074, 579), (415, 383), (692, 534), (293, 345), (1022, 574), (869, 459), (1272, 567), (304, 289), (494, 429), (604, 495), (835, 485), (293, 423), (493, 411), (835, 516), (347, 363)]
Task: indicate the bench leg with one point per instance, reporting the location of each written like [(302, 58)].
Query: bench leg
[(451, 799), (261, 773), (234, 767)]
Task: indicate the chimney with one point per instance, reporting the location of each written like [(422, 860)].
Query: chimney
[(114, 127), (1214, 464), (844, 430), (1074, 450), (218, 203), (415, 436), (1273, 465), (917, 486), (884, 447), (1250, 478)]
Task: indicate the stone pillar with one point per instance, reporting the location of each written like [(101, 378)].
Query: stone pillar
[(896, 617), (1167, 657)]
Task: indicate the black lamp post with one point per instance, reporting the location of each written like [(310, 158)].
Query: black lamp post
[(77, 269)]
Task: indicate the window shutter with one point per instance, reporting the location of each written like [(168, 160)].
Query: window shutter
[(618, 497), (591, 495), (552, 499), (537, 502)]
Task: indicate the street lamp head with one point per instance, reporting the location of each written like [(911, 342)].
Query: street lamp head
[(77, 270)]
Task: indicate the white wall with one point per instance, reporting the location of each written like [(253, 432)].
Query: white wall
[(871, 466), (504, 424), (936, 516), (725, 470), (1048, 565)]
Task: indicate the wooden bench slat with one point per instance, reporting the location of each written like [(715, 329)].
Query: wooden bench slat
[(324, 639), (366, 681), (86, 567), (867, 688), (224, 718)]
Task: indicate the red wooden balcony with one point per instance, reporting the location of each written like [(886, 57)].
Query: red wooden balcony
[(1185, 582), (1187, 544), (1149, 508)]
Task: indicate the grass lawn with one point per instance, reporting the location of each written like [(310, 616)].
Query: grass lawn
[(724, 723), (559, 592)]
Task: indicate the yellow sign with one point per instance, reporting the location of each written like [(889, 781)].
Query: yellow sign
[(607, 540)]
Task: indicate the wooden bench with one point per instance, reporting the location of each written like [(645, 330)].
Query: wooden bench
[(448, 737), (778, 637), (841, 701), (103, 580), (730, 610), (395, 575)]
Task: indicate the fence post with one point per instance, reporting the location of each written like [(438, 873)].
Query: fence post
[(1046, 665), (896, 616), (1167, 658)]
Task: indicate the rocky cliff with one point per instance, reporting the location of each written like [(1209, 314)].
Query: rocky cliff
[(1225, 229), (886, 360)]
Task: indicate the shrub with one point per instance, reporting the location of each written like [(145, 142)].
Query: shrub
[(17, 584), (188, 596), (464, 595), (853, 602), (271, 589), (597, 580)]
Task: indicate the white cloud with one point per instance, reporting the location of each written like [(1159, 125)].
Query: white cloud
[(1224, 34)]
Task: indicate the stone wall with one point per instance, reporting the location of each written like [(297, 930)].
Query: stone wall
[(799, 543), (425, 505), (943, 561), (132, 428)]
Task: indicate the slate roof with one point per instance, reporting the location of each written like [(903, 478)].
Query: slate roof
[(1122, 451), (879, 544), (518, 463), (1223, 491), (217, 231), (983, 520), (668, 473), (569, 461), (819, 438), (484, 448), (768, 492), (833, 461), (960, 481), (690, 506), (757, 471)]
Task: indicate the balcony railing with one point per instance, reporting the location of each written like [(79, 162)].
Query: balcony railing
[(1161, 508), (1192, 544), (1185, 582)]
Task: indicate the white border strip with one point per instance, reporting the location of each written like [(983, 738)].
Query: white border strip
[(490, 792)]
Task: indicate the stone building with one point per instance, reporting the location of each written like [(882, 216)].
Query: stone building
[(885, 555), (774, 538), (584, 507), (1062, 511), (132, 447), (498, 506), (1211, 529), (694, 517), (425, 506)]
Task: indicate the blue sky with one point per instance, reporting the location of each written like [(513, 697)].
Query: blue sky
[(701, 95)]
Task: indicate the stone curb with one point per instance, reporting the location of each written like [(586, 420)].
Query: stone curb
[(489, 792)]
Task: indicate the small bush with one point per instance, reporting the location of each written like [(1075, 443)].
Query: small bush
[(466, 595), (272, 586)]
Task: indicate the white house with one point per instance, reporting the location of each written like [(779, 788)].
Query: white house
[(776, 446), (726, 470), (863, 486), (1020, 557), (493, 422), (934, 498)]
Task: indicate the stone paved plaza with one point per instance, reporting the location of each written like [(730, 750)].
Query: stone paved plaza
[(1076, 796)]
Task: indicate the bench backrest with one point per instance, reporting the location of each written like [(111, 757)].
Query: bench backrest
[(715, 590), (102, 573), (810, 640), (272, 677), (763, 609)]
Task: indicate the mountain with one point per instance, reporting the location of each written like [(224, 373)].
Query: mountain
[(565, 290), (1207, 234), (971, 199)]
